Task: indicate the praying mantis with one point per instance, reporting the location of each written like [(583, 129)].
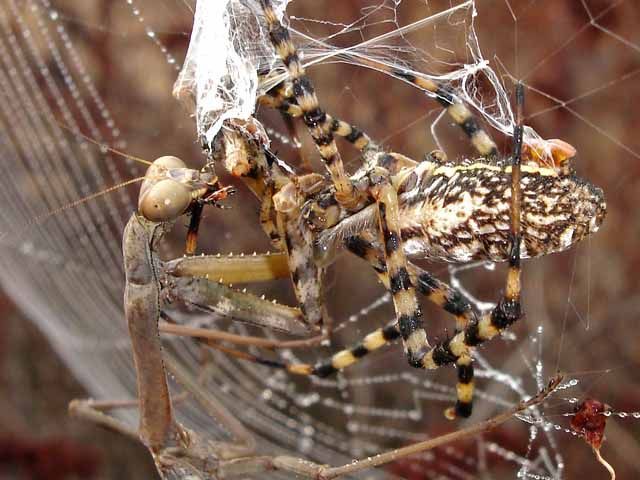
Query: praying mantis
[(170, 191)]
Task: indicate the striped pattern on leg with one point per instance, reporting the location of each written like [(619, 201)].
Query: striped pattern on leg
[(444, 296), (281, 97), (457, 349), (337, 362), (457, 110), (313, 116), (508, 310), (434, 290), (408, 313), (349, 356)]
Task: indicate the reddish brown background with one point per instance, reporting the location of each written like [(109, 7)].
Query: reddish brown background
[(600, 278)]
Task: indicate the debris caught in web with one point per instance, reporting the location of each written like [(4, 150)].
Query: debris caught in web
[(589, 422)]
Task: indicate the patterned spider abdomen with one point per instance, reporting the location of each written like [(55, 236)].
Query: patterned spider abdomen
[(458, 213)]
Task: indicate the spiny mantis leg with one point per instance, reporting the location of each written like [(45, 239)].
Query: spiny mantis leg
[(211, 296), (188, 281), (231, 269)]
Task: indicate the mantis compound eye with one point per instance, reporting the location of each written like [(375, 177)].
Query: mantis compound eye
[(163, 199), (166, 162)]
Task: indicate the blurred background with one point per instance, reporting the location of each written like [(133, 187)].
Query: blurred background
[(579, 61)]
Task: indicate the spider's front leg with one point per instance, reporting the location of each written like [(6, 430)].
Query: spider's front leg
[(314, 117)]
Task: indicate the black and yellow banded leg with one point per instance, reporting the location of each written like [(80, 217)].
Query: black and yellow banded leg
[(407, 309), (282, 98), (456, 109), (433, 289), (508, 310), (322, 369), (464, 389), (275, 99), (459, 348), (392, 161), (436, 291), (313, 116), (462, 116)]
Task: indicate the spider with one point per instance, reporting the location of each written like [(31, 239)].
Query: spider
[(490, 208), (390, 208)]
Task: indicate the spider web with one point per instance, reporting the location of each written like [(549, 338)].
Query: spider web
[(109, 71)]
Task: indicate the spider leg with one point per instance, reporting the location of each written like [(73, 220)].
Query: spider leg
[(281, 97), (436, 291), (456, 109), (408, 313), (313, 116), (508, 310), (210, 296)]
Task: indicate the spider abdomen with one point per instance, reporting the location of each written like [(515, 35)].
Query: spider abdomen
[(461, 213)]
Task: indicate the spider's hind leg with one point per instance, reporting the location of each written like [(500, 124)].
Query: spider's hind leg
[(437, 292), (459, 348)]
